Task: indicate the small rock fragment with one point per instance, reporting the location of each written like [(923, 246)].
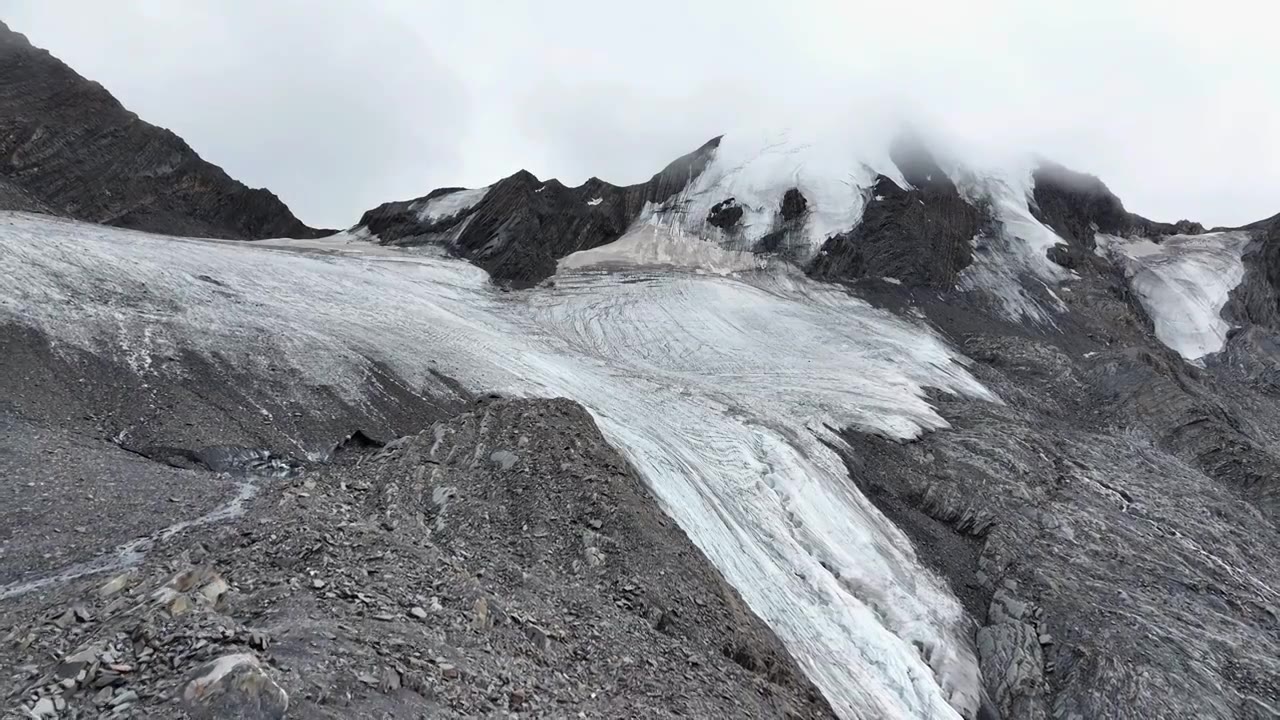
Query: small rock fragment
[(390, 680), (537, 636), (418, 612), (234, 686), (179, 605), (505, 459), (517, 699), (480, 614), (43, 708), (214, 590)]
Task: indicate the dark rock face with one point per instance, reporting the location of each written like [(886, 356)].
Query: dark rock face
[(1257, 300), (725, 214), (921, 235), (67, 147), (1076, 206), (1106, 526), (794, 204), (1062, 254), (788, 225), (1114, 457), (523, 225)]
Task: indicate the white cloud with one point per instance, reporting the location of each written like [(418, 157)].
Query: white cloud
[(337, 106)]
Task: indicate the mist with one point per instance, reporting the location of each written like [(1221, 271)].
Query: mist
[(337, 107)]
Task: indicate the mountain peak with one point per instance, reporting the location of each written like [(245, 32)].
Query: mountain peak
[(131, 173)]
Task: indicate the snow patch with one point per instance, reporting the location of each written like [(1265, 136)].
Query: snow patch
[(450, 205), (1010, 261), (595, 201), (650, 244), (1183, 282)]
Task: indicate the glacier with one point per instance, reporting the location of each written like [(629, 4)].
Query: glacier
[(724, 391), (1183, 282)]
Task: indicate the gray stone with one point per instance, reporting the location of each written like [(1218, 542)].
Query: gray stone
[(505, 459), (1013, 667), (234, 686), (43, 708)]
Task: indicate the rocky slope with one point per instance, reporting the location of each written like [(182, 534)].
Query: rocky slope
[(67, 147), (502, 561)]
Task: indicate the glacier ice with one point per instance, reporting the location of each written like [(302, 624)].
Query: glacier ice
[(658, 243), (722, 390), (1183, 282)]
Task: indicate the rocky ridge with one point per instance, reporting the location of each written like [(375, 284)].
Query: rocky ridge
[(520, 226)]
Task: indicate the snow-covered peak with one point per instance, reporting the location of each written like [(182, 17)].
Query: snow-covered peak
[(786, 194), (756, 169)]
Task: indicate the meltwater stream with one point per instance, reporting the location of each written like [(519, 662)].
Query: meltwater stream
[(721, 391)]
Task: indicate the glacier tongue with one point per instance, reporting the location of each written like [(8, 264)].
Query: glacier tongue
[(1183, 282), (721, 391)]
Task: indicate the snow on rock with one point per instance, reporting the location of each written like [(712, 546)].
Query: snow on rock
[(450, 204), (657, 244), (831, 170), (595, 201), (1015, 255), (738, 199), (1183, 282), (722, 390), (356, 241)]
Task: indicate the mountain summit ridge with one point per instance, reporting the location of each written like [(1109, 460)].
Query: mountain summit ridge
[(68, 147)]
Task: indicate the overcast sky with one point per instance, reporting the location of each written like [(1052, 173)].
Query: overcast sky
[(338, 106)]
